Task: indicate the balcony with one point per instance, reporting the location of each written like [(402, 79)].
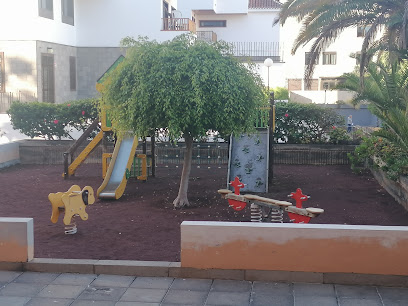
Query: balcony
[(208, 36), (258, 51), (178, 24)]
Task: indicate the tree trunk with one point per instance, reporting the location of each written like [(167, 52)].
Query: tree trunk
[(181, 199)]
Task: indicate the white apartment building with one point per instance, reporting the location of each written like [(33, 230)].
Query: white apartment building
[(55, 50)]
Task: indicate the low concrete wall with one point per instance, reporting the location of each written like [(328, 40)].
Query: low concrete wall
[(295, 247), (16, 239), (9, 154), (398, 190)]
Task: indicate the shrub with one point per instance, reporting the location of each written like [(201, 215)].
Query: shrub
[(51, 121), (381, 154), (281, 93), (304, 123), (339, 136)]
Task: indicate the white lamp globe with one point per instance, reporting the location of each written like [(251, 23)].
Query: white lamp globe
[(268, 62)]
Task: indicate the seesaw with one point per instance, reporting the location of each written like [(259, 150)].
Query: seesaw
[(73, 202), (266, 209)]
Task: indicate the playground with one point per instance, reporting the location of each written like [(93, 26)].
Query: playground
[(142, 224)]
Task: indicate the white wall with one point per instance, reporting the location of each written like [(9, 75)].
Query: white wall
[(21, 21), (231, 6), (255, 27), (103, 23), (346, 44)]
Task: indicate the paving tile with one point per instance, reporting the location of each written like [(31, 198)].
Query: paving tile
[(74, 279), (93, 303), (301, 289), (356, 291), (262, 299), (315, 301), (102, 294), (136, 304), (389, 293), (13, 300), (36, 277), (191, 284), (279, 289), (113, 280), (360, 302), (21, 289), (185, 297), (228, 298), (49, 302), (62, 291), (152, 282), (8, 276), (231, 285), (395, 303), (143, 295)]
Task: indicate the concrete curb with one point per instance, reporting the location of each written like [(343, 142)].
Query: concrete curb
[(174, 269)]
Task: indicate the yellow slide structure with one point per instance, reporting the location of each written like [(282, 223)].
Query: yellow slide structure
[(115, 180), (84, 154)]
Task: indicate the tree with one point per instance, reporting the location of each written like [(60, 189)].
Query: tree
[(323, 21), (185, 86), (386, 89)]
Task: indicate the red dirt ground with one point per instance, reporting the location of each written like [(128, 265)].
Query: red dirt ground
[(143, 225)]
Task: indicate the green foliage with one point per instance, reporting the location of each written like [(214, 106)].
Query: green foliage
[(386, 88), (304, 123), (51, 121), (381, 154), (185, 86), (281, 93), (339, 136)]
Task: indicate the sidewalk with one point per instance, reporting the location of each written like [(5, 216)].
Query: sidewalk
[(35, 288)]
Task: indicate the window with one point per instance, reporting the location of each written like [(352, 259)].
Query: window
[(46, 9), (2, 74), (213, 23), (329, 58), (72, 73), (308, 58), (362, 30), (67, 11), (330, 83)]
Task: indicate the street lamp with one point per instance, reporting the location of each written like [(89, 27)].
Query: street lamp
[(268, 63)]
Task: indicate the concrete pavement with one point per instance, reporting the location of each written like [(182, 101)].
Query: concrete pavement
[(38, 288)]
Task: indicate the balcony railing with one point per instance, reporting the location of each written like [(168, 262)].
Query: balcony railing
[(178, 24), (208, 36), (258, 51)]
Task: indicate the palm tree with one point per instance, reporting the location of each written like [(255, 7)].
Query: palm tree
[(386, 89), (324, 20)]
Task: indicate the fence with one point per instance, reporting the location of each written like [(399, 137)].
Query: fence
[(6, 98), (258, 51), (51, 152)]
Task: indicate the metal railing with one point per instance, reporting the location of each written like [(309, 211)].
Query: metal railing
[(178, 24), (6, 98), (208, 36), (258, 51)]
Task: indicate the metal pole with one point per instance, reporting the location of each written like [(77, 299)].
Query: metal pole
[(270, 166), (268, 78)]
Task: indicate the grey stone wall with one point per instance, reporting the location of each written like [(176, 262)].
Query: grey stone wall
[(61, 53), (92, 63)]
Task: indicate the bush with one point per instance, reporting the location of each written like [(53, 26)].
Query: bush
[(304, 123), (51, 121), (380, 154), (281, 93), (339, 136)]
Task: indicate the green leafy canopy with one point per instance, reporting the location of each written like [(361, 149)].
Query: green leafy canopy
[(185, 86)]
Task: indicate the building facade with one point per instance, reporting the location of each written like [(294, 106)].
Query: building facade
[(55, 50)]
